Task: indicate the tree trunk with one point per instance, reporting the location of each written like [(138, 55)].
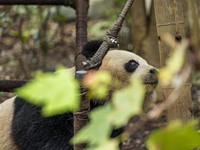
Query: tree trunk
[(165, 22), (81, 117)]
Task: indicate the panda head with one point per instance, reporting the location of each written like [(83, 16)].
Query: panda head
[(122, 65)]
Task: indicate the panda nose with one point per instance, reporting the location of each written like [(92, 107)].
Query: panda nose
[(153, 71)]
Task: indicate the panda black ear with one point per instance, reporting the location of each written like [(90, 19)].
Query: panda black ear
[(90, 48)]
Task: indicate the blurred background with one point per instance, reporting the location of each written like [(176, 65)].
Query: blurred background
[(43, 37)]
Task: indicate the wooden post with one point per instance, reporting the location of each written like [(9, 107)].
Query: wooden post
[(198, 6), (166, 22), (39, 2), (81, 117)]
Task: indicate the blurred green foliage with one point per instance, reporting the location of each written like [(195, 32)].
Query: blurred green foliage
[(125, 104), (98, 30), (56, 93), (32, 18), (175, 136), (34, 29), (98, 83), (114, 12), (173, 64)]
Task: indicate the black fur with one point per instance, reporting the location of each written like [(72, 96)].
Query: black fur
[(131, 66), (91, 48), (30, 131)]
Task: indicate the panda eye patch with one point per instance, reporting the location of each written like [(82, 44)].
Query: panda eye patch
[(131, 66)]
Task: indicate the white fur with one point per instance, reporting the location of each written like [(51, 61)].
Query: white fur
[(6, 115), (114, 62)]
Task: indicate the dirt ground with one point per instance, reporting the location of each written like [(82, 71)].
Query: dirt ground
[(138, 139)]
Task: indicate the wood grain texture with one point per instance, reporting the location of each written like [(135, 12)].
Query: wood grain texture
[(165, 22)]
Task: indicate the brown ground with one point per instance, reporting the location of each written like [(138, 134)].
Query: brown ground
[(137, 140)]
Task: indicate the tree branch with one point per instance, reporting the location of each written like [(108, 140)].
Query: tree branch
[(110, 39)]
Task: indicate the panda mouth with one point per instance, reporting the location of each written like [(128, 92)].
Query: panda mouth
[(155, 82)]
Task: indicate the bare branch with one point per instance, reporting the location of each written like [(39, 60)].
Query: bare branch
[(110, 39), (177, 91)]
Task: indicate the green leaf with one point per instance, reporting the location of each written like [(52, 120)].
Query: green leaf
[(127, 102), (173, 64), (98, 129), (108, 145), (97, 82), (56, 93), (174, 137)]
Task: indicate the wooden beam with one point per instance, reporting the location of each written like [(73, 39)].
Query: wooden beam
[(39, 2), (10, 85), (166, 22), (81, 117)]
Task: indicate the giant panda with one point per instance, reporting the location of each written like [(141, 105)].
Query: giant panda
[(23, 128)]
